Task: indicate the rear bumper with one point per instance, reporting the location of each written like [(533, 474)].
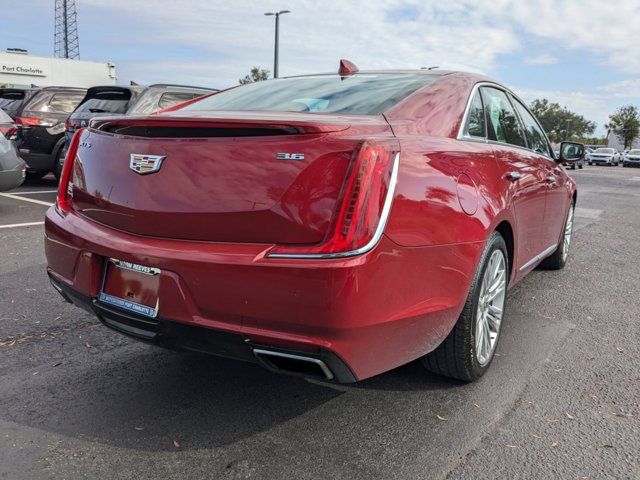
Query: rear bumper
[(369, 313), (322, 364), (12, 178)]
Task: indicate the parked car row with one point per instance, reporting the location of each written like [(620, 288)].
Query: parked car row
[(44, 119)]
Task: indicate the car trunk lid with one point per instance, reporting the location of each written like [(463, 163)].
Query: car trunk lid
[(237, 177)]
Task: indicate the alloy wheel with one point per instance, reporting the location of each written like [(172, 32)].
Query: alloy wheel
[(493, 291)]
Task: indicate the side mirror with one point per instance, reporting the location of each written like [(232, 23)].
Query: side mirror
[(570, 151)]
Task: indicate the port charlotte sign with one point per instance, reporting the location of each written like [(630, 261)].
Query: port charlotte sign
[(17, 69)]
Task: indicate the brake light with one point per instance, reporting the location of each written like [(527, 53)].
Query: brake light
[(9, 132), (65, 187), (28, 121), (33, 122), (363, 207)]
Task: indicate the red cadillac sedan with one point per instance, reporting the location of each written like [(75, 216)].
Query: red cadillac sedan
[(332, 226)]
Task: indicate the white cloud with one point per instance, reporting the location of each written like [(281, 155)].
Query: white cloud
[(542, 59), (604, 29), (629, 88), (457, 35), (229, 37)]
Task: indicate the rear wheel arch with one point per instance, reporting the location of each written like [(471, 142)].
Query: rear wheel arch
[(504, 228)]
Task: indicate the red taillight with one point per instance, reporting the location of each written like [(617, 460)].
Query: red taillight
[(28, 121), (9, 132), (362, 210), (65, 187)]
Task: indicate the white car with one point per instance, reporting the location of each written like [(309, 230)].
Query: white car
[(604, 156), (12, 168), (632, 158)]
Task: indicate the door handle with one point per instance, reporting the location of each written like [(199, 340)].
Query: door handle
[(514, 176), (551, 179)]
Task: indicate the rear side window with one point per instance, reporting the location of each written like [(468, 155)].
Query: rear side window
[(475, 126), (535, 135), (169, 99), (503, 124), (363, 94)]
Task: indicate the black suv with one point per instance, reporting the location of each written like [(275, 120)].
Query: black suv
[(102, 102), (130, 100), (41, 126)]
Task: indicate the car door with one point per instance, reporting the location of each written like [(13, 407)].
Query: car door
[(521, 170), (556, 202)]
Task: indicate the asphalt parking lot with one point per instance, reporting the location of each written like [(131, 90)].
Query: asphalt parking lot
[(562, 399)]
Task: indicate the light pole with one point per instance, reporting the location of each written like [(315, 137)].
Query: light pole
[(275, 54)]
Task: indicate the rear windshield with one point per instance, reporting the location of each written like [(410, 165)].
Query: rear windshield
[(54, 102), (366, 94), (106, 102)]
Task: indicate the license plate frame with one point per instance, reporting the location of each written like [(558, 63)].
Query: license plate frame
[(131, 287)]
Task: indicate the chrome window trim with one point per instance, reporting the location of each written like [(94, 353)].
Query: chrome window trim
[(386, 209), (540, 256), (507, 92)]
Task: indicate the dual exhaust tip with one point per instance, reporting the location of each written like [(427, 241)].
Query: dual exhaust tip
[(293, 364)]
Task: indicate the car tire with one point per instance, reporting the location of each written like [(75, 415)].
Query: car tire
[(459, 356), (57, 169), (558, 259), (580, 166), (35, 175)]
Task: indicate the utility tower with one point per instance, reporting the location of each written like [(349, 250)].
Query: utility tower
[(66, 33)]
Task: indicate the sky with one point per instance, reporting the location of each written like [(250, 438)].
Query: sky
[(584, 54)]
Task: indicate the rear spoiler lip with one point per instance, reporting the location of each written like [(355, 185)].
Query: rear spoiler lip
[(300, 126)]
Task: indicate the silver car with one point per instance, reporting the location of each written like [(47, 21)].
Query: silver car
[(632, 158), (12, 168), (604, 156)]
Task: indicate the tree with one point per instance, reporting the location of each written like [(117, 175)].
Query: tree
[(255, 75), (559, 122), (625, 124)]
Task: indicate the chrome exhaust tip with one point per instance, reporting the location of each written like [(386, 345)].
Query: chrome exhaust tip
[(293, 364)]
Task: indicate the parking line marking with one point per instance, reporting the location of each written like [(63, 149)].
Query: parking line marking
[(29, 224), (15, 197), (34, 192)]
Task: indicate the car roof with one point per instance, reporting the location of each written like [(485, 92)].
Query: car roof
[(189, 87), (63, 89)]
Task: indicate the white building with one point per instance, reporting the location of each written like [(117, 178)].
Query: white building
[(17, 68)]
